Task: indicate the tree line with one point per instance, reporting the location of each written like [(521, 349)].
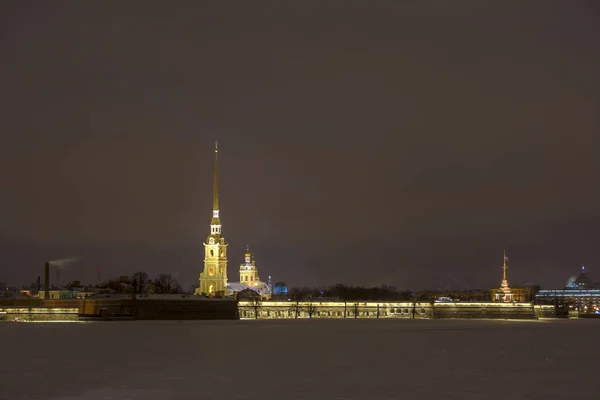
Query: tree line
[(162, 284), (340, 292), (140, 282)]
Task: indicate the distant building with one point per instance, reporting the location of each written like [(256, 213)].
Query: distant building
[(583, 281), (248, 294), (586, 301), (280, 289), (59, 294), (519, 293), (454, 295), (581, 294), (249, 279)]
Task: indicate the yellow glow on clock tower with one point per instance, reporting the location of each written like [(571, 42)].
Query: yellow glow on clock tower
[(213, 280)]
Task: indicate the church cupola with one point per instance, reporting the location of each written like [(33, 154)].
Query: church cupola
[(248, 271)]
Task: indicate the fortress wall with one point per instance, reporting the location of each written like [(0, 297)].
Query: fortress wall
[(185, 309), (317, 310), (156, 308), (545, 311), (484, 310), (324, 310), (88, 307), (36, 314), (199, 308)]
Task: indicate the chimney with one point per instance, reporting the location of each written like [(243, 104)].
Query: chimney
[(47, 282)]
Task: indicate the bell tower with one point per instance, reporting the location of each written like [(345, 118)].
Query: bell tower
[(213, 280), (248, 271)]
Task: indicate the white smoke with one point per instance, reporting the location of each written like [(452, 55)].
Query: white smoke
[(63, 262)]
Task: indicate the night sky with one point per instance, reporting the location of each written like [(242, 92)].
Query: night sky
[(405, 143)]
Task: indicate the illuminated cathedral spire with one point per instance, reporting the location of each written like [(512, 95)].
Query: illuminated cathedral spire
[(213, 280), (215, 223)]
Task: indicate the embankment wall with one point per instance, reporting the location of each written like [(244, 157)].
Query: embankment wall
[(466, 310)]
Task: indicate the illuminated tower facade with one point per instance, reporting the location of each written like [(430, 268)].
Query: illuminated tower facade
[(213, 280), (248, 271), (504, 294)]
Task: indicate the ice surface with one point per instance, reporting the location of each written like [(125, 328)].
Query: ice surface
[(301, 359)]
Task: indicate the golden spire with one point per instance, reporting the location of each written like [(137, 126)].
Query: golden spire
[(216, 221), (504, 267), (216, 187)]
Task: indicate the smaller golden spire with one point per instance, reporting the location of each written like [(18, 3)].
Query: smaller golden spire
[(504, 267), (216, 183)]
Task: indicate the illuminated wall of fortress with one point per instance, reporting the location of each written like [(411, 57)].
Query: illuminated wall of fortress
[(321, 310)]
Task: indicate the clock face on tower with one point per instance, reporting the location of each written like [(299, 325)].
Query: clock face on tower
[(211, 271)]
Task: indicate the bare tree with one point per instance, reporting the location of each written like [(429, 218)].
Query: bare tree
[(256, 304), (296, 308), (140, 281), (310, 309), (166, 283), (297, 297)]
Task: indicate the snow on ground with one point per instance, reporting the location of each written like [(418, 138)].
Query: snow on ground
[(300, 359)]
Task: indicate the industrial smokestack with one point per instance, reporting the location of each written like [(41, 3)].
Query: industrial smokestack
[(47, 282)]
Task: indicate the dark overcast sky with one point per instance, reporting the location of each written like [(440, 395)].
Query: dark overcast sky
[(406, 143)]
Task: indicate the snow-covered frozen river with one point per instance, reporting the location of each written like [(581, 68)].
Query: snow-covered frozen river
[(302, 359)]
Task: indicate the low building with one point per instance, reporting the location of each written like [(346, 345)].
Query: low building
[(59, 294), (585, 301), (519, 293)]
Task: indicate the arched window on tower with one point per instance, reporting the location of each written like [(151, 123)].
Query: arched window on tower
[(212, 253)]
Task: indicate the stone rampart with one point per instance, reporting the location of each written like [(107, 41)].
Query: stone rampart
[(428, 310), (39, 314), (168, 308), (186, 309), (491, 310), (545, 311), (328, 309)]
